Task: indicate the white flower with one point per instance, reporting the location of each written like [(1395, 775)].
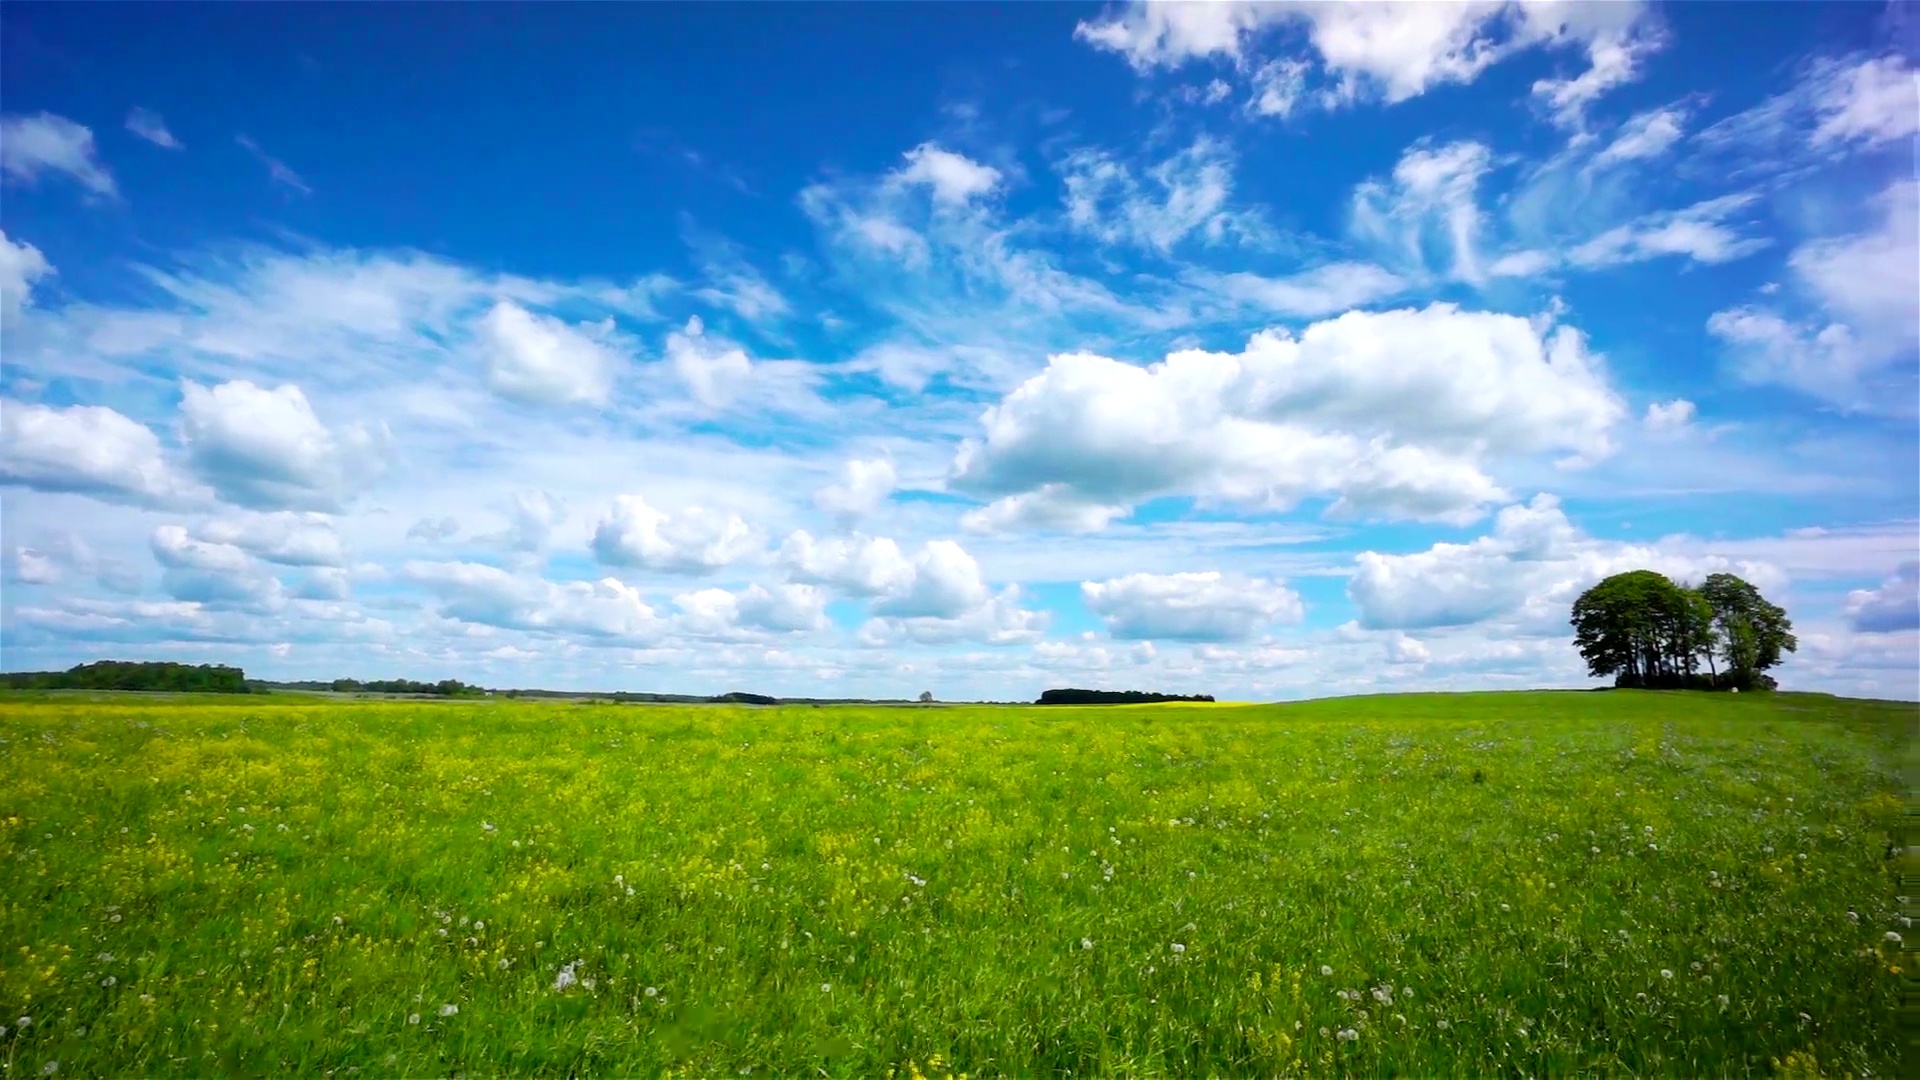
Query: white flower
[(566, 978), (1853, 916), (1506, 907), (413, 1018), (25, 1022), (653, 991), (505, 963), (449, 1010), (1383, 994), (1893, 936), (108, 981), (1326, 969), (1179, 948), (49, 1068), (826, 988), (479, 925), (1665, 973), (1348, 1035), (1442, 1025), (1086, 943)]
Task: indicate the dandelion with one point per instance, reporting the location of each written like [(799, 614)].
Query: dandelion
[(1723, 1000), (1853, 916), (413, 1018), (1383, 994), (109, 981), (826, 988), (566, 977), (1326, 969), (1506, 907), (1086, 943), (1596, 850), (1179, 948), (1893, 937), (24, 1022), (49, 1068), (1666, 973), (1442, 1025), (479, 925), (1348, 1035), (449, 1010), (486, 826), (505, 963), (653, 991), (105, 958)]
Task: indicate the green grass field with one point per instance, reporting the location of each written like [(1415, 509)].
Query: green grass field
[(1441, 885)]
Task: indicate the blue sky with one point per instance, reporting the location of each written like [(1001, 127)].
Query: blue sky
[(1263, 350)]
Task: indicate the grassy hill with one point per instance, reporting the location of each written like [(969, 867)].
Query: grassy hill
[(1437, 885)]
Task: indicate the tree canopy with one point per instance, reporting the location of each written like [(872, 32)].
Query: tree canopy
[(1647, 630)]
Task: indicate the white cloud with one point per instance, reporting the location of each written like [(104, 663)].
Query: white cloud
[(216, 574), (1389, 413), (1208, 606), (1698, 232), (1669, 417), (954, 179), (1429, 213), (1530, 568), (150, 126), (862, 487), (1049, 508), (856, 565), (1000, 620), (1871, 102), (946, 584), (1838, 106), (20, 266), (540, 360), (284, 537), (30, 566), (695, 540), (602, 612), (1646, 135), (1391, 51), (266, 449), (1187, 195), (777, 609), (713, 369), (1402, 649), (1862, 292), (87, 449), (31, 146), (1279, 86), (1324, 290), (531, 519), (1893, 607), (176, 550), (277, 170)]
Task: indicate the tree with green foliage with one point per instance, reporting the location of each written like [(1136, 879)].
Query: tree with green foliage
[(1752, 633), (1646, 630)]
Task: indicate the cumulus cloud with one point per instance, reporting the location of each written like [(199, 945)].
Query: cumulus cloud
[(540, 360), (89, 449), (954, 179), (1669, 417), (20, 266), (999, 620), (946, 584), (778, 609), (33, 146), (531, 520), (1391, 52), (1893, 607), (694, 540), (1530, 568), (150, 126), (283, 537), (863, 566), (1208, 606), (607, 611), (1645, 136), (266, 448), (1388, 413), (712, 369), (1861, 293), (1049, 508), (214, 574), (862, 487)]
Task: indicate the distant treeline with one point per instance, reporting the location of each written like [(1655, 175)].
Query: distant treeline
[(443, 688), (1112, 697), (131, 675)]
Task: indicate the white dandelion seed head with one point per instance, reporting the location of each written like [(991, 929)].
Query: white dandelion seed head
[(449, 1010), (1442, 1025), (413, 1018), (1086, 943), (49, 1068), (1179, 948), (1326, 969), (1893, 936), (826, 988), (505, 963), (108, 981), (1348, 1035), (1666, 973), (653, 991)]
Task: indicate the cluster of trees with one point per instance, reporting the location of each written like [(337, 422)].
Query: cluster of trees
[(1646, 630), (1072, 696), (443, 688), (134, 675)]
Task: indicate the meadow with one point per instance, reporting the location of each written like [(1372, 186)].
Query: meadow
[(1436, 885)]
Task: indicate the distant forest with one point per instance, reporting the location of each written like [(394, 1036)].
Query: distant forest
[(128, 675), (1072, 696)]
